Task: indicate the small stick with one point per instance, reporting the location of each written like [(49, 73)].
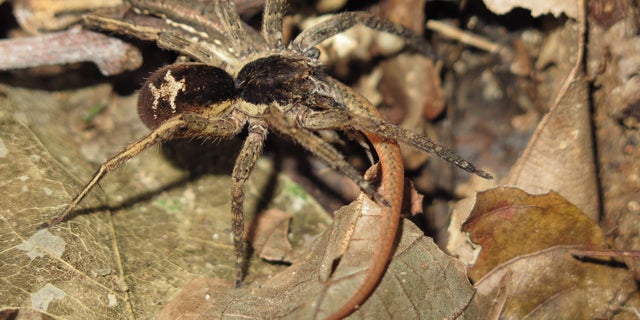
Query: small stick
[(463, 36), (111, 55), (35, 16)]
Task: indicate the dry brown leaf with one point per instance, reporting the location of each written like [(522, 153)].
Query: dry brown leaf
[(268, 234), (421, 282), (414, 200), (559, 155), (554, 284), (526, 269), (508, 222)]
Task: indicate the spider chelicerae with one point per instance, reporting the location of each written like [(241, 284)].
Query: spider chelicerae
[(244, 80)]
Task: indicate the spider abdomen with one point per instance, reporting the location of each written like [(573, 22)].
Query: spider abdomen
[(180, 88), (277, 78)]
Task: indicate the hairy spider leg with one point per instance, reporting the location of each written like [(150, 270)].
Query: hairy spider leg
[(183, 13), (341, 22), (321, 149), (251, 150), (162, 133), (272, 23), (236, 42), (337, 119), (174, 41), (179, 126), (232, 26), (392, 168), (203, 39)]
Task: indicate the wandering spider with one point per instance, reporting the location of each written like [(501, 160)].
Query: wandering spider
[(244, 80)]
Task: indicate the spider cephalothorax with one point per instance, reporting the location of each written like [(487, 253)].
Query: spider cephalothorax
[(245, 81), (280, 79)]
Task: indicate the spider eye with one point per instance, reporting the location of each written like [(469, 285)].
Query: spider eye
[(179, 88), (313, 53)]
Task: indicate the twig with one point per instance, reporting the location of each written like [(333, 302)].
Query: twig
[(35, 16), (111, 55), (463, 36)]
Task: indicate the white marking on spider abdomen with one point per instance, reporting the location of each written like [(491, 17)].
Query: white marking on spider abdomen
[(168, 91)]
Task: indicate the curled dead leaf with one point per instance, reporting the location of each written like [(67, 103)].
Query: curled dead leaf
[(35, 16)]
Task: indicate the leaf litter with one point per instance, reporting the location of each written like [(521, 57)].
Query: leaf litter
[(146, 238), (140, 239), (422, 281)]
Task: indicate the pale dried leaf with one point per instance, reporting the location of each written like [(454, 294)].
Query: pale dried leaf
[(458, 242), (151, 230), (559, 156), (35, 16), (67, 270), (538, 8), (553, 284), (421, 282)]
